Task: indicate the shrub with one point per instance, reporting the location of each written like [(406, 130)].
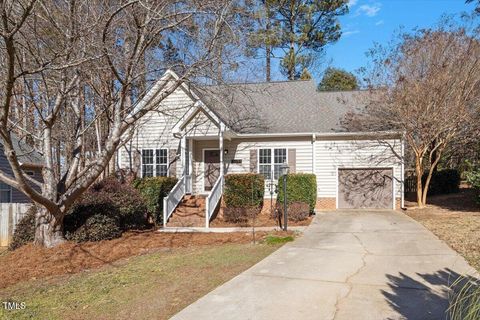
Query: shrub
[(25, 229), (297, 211), (244, 190), (239, 214), (473, 178), (95, 228), (443, 182), (243, 196), (106, 210), (464, 299), (126, 199), (153, 190), (301, 187)]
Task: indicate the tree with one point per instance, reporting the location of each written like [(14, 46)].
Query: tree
[(79, 66), (265, 34), (338, 80), (171, 57), (306, 27), (426, 85), (305, 75)]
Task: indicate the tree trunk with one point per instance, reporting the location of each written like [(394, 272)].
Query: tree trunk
[(291, 62), (268, 63), (419, 173), (268, 46), (48, 229)]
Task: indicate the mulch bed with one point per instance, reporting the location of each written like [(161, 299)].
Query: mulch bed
[(263, 219), (32, 262)]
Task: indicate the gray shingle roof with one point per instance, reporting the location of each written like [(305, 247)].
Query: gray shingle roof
[(281, 107), (25, 153)]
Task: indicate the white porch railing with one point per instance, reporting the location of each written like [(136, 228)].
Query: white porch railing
[(213, 199), (188, 184), (170, 202)]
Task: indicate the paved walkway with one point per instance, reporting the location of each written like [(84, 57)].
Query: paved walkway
[(347, 265)]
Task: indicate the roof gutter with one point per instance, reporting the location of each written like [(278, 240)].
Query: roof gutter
[(316, 134)]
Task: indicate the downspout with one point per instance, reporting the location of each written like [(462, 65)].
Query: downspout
[(403, 172), (314, 138)]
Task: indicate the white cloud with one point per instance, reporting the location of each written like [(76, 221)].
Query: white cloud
[(349, 33), (351, 3), (368, 10), (379, 22)]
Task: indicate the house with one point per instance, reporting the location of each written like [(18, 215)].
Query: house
[(201, 133), (31, 163)]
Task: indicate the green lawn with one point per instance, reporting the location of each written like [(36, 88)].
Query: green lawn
[(152, 286)]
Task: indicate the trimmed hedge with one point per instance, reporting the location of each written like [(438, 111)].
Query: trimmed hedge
[(243, 196), (301, 187), (443, 182), (25, 229), (244, 190), (153, 190)]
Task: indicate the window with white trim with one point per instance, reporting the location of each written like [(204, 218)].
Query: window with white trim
[(270, 161), (154, 162), (5, 193)]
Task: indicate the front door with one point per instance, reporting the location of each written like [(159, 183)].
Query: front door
[(211, 167)]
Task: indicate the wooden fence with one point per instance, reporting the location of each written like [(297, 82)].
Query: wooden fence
[(10, 215)]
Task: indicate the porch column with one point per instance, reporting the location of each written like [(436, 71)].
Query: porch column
[(183, 154), (220, 143)]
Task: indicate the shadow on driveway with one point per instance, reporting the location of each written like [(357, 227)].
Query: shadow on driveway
[(416, 300)]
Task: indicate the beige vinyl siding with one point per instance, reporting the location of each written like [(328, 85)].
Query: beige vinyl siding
[(202, 125), (333, 154), (155, 129)]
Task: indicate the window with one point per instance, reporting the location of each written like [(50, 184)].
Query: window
[(270, 166), (5, 193), (154, 162), (265, 163)]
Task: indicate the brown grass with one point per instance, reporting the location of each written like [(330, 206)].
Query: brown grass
[(31, 262), (455, 219)]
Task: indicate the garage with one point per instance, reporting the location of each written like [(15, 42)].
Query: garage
[(365, 188)]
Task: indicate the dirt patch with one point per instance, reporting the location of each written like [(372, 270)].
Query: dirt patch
[(454, 218), (31, 262), (263, 219)]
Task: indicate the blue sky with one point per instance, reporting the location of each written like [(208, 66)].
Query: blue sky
[(371, 21)]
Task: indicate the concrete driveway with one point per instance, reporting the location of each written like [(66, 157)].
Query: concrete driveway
[(347, 265)]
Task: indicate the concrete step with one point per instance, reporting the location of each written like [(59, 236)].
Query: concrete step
[(190, 222)]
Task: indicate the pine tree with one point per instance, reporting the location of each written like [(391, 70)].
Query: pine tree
[(306, 27)]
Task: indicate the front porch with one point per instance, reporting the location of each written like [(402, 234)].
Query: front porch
[(199, 190)]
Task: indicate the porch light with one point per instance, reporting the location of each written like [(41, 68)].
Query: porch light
[(225, 152), (284, 170)]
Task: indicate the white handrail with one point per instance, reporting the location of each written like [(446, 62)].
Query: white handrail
[(213, 199), (171, 201)]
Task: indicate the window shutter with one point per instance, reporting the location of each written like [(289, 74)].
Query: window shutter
[(292, 160), (172, 165), (253, 161)]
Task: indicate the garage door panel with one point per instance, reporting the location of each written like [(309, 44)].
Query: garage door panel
[(365, 188)]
